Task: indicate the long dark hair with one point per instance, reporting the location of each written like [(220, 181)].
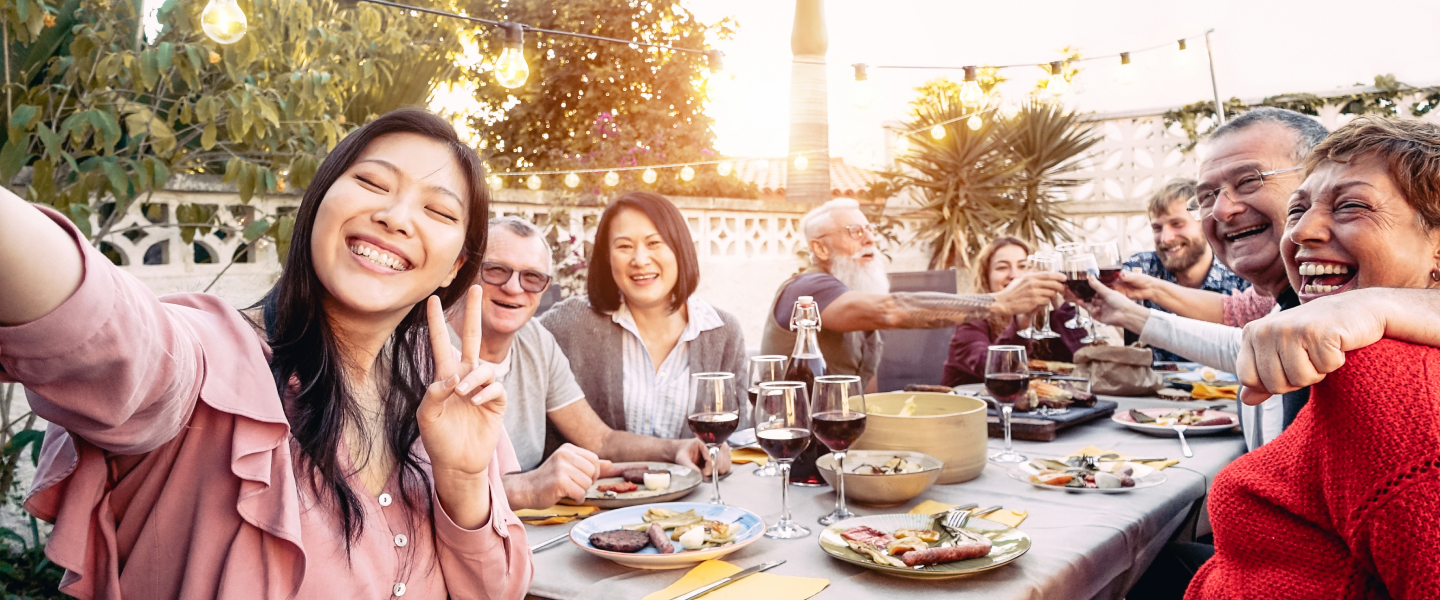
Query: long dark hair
[(308, 363), (600, 285)]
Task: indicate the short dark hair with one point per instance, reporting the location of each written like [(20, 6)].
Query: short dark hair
[(604, 292), (1409, 148), (1178, 190), (1308, 132)]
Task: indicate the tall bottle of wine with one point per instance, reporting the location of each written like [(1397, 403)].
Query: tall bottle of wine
[(806, 363)]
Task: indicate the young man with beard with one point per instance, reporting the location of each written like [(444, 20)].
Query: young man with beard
[(847, 279), (1181, 254), (540, 386), (1248, 170)]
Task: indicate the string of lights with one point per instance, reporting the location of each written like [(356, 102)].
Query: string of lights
[(224, 22)]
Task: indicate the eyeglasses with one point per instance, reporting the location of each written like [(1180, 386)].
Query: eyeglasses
[(1203, 203), (857, 231), (530, 280)]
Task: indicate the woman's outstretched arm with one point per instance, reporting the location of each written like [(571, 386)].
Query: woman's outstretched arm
[(39, 264)]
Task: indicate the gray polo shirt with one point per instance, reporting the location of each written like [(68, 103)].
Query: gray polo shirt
[(537, 380)]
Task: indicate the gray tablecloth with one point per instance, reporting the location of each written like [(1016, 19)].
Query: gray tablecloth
[(1084, 545)]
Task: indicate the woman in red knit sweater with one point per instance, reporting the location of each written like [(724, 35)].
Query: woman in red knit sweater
[(1346, 502)]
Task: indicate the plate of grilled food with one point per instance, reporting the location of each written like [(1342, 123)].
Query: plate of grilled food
[(669, 535), (919, 547), (642, 483)]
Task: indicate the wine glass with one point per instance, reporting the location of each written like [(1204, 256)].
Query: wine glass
[(1007, 378), (714, 415), (782, 426), (763, 368), (1066, 251), (1040, 262), (837, 414), (1107, 258), (1078, 270)]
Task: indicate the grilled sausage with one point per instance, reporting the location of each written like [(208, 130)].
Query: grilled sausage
[(659, 540), (935, 556)]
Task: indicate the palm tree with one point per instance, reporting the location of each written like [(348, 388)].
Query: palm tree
[(1048, 143)]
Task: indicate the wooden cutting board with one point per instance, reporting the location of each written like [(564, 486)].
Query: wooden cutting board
[(1036, 428)]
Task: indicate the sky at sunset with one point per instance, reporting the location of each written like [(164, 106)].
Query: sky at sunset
[(1261, 48)]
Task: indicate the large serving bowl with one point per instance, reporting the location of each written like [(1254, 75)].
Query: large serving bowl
[(949, 427), (881, 490)]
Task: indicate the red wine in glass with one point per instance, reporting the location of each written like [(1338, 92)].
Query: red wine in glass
[(1007, 387), (784, 443), (1079, 285), (712, 427), (1108, 275), (838, 430), (754, 396)]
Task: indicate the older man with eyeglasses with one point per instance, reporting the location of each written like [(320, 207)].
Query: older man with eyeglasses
[(541, 388), (1248, 170), (848, 281)]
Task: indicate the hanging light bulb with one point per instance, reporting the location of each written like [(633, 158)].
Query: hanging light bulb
[(1009, 109), (974, 122), (687, 173), (571, 180), (724, 168), (762, 164), (533, 182), (1185, 57), (496, 182), (1127, 72), (612, 179), (801, 163), (714, 59), (649, 176), (510, 68), (937, 132), (864, 90), (970, 93), (902, 144), (1057, 86), (223, 21)]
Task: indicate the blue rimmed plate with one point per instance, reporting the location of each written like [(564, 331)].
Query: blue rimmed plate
[(648, 558)]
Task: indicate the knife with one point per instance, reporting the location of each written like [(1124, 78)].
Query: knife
[(729, 580), (550, 542)]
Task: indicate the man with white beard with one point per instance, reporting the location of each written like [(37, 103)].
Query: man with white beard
[(1181, 254), (847, 279)]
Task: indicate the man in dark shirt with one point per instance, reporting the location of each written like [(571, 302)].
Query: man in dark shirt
[(1181, 254), (848, 281)]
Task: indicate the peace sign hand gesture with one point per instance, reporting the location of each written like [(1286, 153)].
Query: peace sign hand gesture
[(461, 416)]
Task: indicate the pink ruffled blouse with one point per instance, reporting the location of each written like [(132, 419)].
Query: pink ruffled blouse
[(169, 470)]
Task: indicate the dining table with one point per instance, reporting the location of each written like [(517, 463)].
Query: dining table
[(1084, 545)]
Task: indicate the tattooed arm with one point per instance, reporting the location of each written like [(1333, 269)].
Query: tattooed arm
[(859, 311)]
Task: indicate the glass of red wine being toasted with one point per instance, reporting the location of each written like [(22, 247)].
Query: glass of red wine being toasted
[(782, 426), (837, 414), (1078, 270), (714, 415), (763, 368), (1007, 378)]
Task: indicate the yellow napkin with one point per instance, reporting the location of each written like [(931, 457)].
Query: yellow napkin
[(1203, 391), (759, 585), (565, 514), (1154, 464), (1010, 518), (748, 455)]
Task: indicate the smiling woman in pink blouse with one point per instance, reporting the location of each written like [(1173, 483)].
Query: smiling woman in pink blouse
[(327, 443)]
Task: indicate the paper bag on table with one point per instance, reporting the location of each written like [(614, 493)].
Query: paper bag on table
[(1118, 371)]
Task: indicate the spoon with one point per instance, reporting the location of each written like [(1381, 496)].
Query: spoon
[(1184, 445)]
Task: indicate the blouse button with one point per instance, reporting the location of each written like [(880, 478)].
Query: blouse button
[(385, 501), (399, 589), (400, 540)]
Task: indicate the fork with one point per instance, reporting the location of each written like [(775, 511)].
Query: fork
[(1184, 445)]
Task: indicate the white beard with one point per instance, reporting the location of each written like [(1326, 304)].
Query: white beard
[(870, 278)]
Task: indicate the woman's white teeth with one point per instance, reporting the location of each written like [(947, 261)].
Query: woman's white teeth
[(1315, 288), (1323, 269), (642, 277), (378, 257)]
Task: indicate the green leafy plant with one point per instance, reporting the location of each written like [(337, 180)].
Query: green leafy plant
[(1003, 178), (1387, 98)]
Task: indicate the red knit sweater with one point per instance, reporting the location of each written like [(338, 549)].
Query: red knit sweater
[(1345, 503)]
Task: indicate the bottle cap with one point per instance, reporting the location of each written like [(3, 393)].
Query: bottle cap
[(807, 300)]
